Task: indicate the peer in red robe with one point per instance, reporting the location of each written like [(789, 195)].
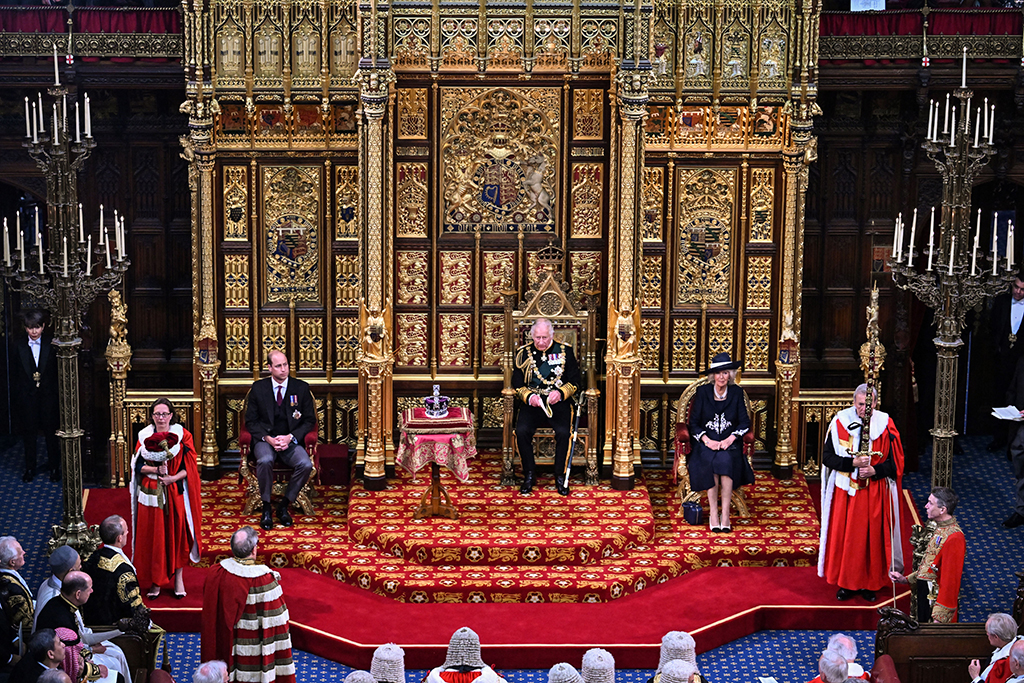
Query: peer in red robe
[(165, 517), (861, 535), (245, 622)]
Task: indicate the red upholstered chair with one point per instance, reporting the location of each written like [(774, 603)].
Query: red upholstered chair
[(247, 470), (683, 446)]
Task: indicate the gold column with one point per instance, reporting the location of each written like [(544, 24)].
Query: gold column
[(119, 362), (623, 362), (376, 359), (200, 153)]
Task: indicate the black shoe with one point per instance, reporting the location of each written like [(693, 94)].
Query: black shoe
[(282, 514), (267, 520), (868, 595), (844, 594), (527, 486), (563, 490), (27, 476), (1013, 521)]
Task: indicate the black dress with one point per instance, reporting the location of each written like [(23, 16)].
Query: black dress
[(718, 420)]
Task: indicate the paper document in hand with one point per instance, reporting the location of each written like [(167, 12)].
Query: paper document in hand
[(1007, 413)]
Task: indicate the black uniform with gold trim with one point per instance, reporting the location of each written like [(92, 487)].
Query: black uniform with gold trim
[(18, 604), (116, 592), (539, 373)]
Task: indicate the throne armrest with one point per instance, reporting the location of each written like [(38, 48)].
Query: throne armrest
[(310, 440)]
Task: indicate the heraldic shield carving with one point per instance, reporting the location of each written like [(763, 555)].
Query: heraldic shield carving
[(500, 155), (292, 233)]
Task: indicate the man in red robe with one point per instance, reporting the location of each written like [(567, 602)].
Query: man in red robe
[(1001, 630), (937, 578), (245, 622), (861, 537)]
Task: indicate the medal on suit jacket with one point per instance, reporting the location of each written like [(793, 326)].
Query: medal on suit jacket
[(293, 400), (36, 376), (1013, 340)]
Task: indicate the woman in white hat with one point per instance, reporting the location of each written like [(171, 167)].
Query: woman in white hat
[(718, 421)]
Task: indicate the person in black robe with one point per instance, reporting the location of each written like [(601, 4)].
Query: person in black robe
[(34, 393), (45, 651), (718, 421)]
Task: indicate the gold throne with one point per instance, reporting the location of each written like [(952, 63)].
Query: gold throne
[(572, 315)]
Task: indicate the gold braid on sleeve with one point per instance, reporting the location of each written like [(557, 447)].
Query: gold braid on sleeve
[(127, 592), (942, 614)]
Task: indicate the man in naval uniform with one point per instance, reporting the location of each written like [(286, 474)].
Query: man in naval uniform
[(545, 374)]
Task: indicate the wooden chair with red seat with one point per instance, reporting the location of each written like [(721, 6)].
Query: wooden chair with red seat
[(247, 470), (683, 447)]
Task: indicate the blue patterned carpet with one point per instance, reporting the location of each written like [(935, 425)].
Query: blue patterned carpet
[(983, 480)]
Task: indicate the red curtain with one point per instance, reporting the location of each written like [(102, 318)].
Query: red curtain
[(977, 22), (33, 20), (889, 23), (127, 21)]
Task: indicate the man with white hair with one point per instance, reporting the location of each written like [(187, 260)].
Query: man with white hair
[(861, 540), (832, 667), (845, 647), (1016, 661), (545, 375), (18, 605), (1002, 634), (214, 671)]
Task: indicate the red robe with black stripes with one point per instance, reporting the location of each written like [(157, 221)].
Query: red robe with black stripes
[(245, 622)]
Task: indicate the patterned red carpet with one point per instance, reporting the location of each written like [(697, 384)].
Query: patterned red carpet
[(596, 545)]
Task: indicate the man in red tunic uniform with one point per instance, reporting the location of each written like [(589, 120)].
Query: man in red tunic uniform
[(245, 620), (937, 579), (861, 538)]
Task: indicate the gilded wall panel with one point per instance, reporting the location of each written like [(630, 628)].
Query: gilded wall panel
[(346, 279), (735, 40), (587, 198), (236, 203), (551, 43), (650, 281), (455, 338), (505, 44), (346, 194), (412, 113), (653, 203), (773, 50), (412, 273), (650, 424), (759, 282), (494, 412), (762, 201), (236, 281), (706, 203), (499, 274), (411, 198), (236, 344), (600, 42), (588, 114), (305, 43), (720, 337), (311, 344), (412, 42), (499, 155), (684, 344), (346, 343), (344, 51), (458, 43), (291, 215), (697, 48), (412, 339), (346, 421), (494, 338), (235, 408), (273, 336), (534, 269), (757, 344), (650, 342), (585, 267), (456, 277)]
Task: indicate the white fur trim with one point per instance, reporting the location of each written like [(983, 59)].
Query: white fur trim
[(262, 650), (247, 571), (266, 596), (264, 676), (264, 622)]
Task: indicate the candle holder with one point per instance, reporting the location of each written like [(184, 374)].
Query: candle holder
[(957, 279), (65, 279)]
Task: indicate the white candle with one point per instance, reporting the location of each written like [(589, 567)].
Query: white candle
[(952, 252), (7, 245), (913, 233), (995, 226), (39, 245), (1009, 247), (945, 117), (39, 235), (985, 112), (81, 224), (952, 130), (117, 240), (78, 125), (974, 252), (56, 135), (21, 249), (35, 124), (106, 247), (992, 124), (88, 118), (65, 256), (56, 73), (28, 121), (963, 70), (88, 256), (42, 127), (931, 113), (896, 236), (931, 240), (101, 218), (977, 127)]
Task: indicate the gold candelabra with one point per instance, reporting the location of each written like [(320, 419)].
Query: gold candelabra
[(64, 272), (955, 277)]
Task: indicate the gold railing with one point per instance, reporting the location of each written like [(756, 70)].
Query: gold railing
[(817, 406)]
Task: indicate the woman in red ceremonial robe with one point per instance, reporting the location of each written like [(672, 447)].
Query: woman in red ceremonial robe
[(165, 502)]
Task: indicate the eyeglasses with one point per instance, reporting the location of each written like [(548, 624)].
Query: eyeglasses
[(161, 414)]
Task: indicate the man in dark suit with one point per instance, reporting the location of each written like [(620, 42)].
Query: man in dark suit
[(1007, 313), (45, 651), (34, 393), (279, 413)]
